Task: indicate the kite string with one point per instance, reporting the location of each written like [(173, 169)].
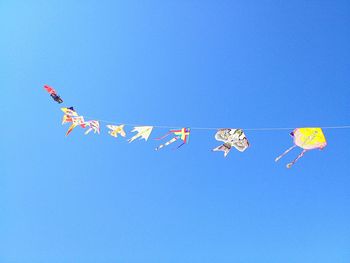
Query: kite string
[(217, 128)]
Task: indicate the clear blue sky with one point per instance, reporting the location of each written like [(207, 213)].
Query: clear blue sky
[(192, 63)]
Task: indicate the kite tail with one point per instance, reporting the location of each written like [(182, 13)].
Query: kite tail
[(296, 159), (180, 145), (167, 143), (283, 154), (166, 135), (71, 129), (88, 131)]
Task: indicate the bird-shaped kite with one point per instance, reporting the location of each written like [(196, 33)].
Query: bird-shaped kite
[(182, 134), (231, 138), (115, 130), (143, 132), (307, 139), (53, 94), (93, 126)]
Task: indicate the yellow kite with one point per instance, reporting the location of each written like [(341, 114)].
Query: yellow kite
[(307, 139)]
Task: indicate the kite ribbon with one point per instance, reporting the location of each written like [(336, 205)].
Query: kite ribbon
[(161, 138), (71, 129), (283, 154), (169, 142), (296, 159)]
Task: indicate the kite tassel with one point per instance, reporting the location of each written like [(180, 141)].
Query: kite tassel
[(283, 154), (179, 146), (296, 159)]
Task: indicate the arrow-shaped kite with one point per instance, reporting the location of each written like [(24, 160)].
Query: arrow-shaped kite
[(143, 132)]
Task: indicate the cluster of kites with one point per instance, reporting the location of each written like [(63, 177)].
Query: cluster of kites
[(305, 138)]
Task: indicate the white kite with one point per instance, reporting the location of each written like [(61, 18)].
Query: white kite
[(143, 132), (231, 138), (115, 130), (93, 126)]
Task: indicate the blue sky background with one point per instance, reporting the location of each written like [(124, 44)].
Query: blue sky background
[(183, 63)]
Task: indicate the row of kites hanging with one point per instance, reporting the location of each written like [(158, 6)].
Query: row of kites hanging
[(305, 138)]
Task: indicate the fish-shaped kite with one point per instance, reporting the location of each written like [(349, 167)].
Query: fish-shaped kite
[(115, 130), (70, 115), (93, 126), (69, 111), (53, 93), (182, 134), (231, 138), (307, 139), (76, 121), (143, 132)]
